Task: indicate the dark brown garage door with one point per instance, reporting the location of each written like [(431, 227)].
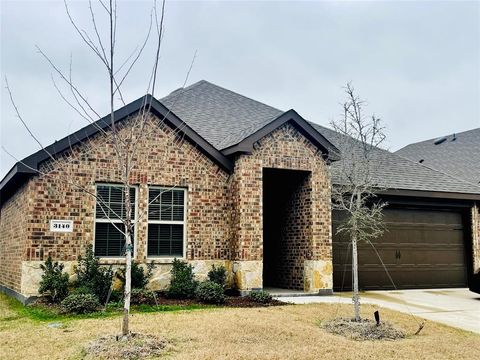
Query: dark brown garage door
[(420, 249)]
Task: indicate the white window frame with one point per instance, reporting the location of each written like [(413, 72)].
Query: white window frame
[(168, 258), (134, 221)]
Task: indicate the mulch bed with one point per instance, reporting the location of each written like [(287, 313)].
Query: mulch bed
[(161, 300), (364, 329), (230, 301)]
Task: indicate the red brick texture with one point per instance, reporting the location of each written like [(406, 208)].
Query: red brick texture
[(162, 160), (13, 237)]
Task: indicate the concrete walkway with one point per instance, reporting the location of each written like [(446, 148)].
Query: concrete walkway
[(455, 307)]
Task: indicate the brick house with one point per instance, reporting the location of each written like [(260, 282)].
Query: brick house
[(236, 183)]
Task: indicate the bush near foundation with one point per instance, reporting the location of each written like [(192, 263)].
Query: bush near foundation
[(210, 292), (54, 283), (182, 282), (261, 296), (92, 277), (218, 275), (142, 296), (140, 275), (80, 303)]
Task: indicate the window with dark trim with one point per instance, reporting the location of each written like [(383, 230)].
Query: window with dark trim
[(166, 222), (109, 215)]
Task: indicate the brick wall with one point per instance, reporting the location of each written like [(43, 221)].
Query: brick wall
[(163, 159), (13, 238)]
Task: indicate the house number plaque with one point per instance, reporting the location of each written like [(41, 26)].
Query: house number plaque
[(61, 225)]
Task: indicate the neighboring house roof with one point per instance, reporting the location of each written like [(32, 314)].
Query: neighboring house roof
[(455, 154), (394, 172)]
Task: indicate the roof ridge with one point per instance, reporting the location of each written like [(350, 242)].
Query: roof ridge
[(238, 94), (438, 137), (182, 90)]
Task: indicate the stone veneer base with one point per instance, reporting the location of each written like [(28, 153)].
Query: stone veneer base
[(318, 276), (245, 276)]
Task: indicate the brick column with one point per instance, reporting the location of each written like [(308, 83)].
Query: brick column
[(247, 224)]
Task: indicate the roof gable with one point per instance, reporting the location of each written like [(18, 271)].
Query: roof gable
[(25, 168), (291, 116)]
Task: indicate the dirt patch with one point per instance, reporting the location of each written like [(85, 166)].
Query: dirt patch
[(363, 330), (136, 346)]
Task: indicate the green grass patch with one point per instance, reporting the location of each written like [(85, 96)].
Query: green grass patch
[(12, 309)]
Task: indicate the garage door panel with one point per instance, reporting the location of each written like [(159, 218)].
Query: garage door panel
[(444, 257), (421, 248), (409, 216)]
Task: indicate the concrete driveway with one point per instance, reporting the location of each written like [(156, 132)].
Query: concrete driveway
[(455, 307)]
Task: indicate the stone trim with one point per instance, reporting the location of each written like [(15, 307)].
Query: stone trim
[(248, 275)]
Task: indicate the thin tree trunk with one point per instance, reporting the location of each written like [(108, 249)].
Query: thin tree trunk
[(128, 283), (356, 298), (128, 255)]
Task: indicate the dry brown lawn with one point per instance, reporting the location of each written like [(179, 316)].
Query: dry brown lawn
[(285, 332)]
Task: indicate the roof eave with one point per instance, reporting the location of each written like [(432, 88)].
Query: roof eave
[(431, 194)]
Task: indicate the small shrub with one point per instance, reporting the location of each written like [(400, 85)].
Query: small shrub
[(80, 303), (92, 276), (218, 275), (142, 296), (261, 296), (182, 282), (140, 275), (82, 290), (54, 283), (116, 296), (210, 292)]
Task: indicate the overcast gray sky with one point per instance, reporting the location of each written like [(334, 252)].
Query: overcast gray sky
[(417, 63)]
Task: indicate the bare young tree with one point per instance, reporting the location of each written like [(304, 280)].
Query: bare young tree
[(354, 182), (125, 140)]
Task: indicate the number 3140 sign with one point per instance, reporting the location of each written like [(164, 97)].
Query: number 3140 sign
[(61, 225)]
